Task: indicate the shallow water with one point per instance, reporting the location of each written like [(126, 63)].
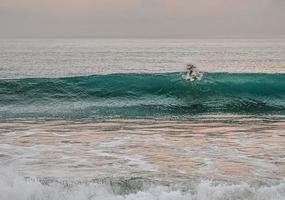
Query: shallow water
[(207, 157), (231, 148), (149, 135)]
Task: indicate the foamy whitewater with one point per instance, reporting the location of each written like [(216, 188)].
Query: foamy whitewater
[(117, 119)]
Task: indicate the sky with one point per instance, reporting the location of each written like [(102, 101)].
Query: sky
[(142, 18)]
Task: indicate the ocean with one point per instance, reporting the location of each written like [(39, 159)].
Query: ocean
[(116, 119)]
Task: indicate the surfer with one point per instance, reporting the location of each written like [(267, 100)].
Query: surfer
[(192, 73), (190, 70)]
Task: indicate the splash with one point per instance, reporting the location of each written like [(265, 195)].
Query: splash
[(15, 187)]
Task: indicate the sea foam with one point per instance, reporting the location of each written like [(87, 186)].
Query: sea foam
[(15, 187)]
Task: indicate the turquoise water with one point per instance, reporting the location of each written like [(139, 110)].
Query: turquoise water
[(142, 95)]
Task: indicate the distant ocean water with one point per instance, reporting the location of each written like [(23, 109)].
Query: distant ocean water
[(116, 119)]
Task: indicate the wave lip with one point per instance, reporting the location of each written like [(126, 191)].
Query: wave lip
[(129, 95)]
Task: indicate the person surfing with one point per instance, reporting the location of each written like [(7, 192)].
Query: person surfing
[(193, 73)]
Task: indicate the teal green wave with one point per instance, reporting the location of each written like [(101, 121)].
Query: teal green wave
[(142, 95)]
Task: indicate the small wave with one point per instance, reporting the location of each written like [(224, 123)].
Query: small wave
[(15, 187), (128, 95)]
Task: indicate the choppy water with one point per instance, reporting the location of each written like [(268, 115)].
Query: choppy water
[(115, 119)]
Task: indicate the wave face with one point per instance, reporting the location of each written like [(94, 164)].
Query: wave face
[(142, 95)]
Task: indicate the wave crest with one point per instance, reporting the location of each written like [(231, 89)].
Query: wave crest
[(143, 95)]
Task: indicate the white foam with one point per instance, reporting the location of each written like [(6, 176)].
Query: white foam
[(15, 187)]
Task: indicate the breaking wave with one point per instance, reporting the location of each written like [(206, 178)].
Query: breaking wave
[(15, 187)]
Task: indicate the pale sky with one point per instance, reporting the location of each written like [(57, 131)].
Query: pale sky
[(142, 18)]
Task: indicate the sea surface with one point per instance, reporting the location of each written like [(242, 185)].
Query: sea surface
[(115, 119)]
